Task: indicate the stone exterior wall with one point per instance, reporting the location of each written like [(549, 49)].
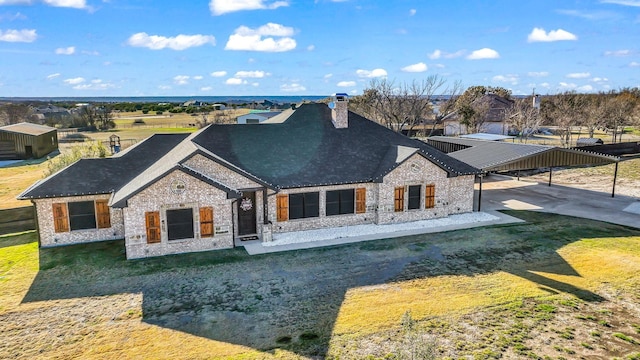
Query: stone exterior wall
[(323, 220), (160, 197), (48, 236), (460, 194), (220, 173), (414, 171)]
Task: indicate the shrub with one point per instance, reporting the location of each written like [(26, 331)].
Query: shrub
[(87, 150)]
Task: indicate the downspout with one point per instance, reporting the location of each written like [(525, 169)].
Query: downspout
[(480, 193), (615, 176), (233, 224)]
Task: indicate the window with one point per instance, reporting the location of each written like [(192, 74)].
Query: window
[(180, 224), (153, 226), (82, 215), (414, 197), (304, 205), (430, 196), (340, 202), (361, 201), (398, 197), (282, 205), (206, 222)]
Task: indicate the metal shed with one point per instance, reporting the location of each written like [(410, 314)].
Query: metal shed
[(26, 140), (494, 156)]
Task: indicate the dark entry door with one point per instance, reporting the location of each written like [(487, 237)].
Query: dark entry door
[(28, 151), (247, 214)]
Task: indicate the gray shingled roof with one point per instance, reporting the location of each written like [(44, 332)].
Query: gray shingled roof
[(305, 150), (103, 176)]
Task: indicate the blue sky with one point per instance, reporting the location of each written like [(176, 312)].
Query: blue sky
[(307, 47)]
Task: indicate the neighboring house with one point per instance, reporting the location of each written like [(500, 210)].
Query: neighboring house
[(257, 117), (50, 112), (320, 168), (195, 103), (493, 123), (27, 140)]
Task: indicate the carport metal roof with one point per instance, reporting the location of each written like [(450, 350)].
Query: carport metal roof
[(505, 156)]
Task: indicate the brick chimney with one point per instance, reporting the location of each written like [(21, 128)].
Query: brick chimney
[(340, 111)]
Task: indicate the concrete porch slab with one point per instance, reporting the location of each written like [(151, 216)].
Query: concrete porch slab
[(351, 234)]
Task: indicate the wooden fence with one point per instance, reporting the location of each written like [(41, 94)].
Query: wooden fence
[(17, 220)]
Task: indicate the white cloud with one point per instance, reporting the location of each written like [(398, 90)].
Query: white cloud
[(25, 35), (635, 3), (74, 81), (53, 76), (66, 51), (540, 35), (599, 80), (218, 73), (545, 85), (164, 87), (624, 52), (197, 77), (538, 74), (328, 76), (311, 47), (219, 7), (416, 68), (346, 84), (251, 74), (94, 85), (181, 79), (180, 42), (375, 73), (510, 78), (293, 87), (439, 54), (12, 17), (634, 64), (585, 88), (255, 84), (92, 53), (412, 12), (76, 4), (582, 75), (235, 81), (245, 38), (484, 53), (206, 88), (565, 85)]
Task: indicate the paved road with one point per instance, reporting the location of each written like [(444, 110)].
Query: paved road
[(501, 192)]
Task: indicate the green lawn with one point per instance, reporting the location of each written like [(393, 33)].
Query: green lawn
[(553, 287)]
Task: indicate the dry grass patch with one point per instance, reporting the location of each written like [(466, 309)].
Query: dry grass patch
[(555, 286), (15, 179)]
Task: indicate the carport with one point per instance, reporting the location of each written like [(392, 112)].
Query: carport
[(496, 156)]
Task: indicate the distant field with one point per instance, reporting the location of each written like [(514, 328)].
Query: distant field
[(554, 287), (15, 179)]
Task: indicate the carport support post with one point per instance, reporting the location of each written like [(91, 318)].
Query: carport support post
[(480, 193), (615, 176), (550, 174)]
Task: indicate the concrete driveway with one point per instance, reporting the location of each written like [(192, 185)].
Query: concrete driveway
[(503, 192)]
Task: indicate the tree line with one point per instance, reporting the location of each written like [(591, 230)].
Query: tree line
[(404, 107)]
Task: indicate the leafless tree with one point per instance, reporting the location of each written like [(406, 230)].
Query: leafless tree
[(594, 112), (620, 110), (524, 117), (100, 117), (398, 106), (473, 106), (564, 111), (15, 113)]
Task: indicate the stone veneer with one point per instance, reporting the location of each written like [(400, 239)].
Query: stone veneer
[(48, 236), (160, 197)]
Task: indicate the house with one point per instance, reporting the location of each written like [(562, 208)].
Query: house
[(27, 140), (226, 183), (256, 117), (494, 121)]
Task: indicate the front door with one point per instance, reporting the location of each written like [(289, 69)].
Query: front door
[(247, 214)]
